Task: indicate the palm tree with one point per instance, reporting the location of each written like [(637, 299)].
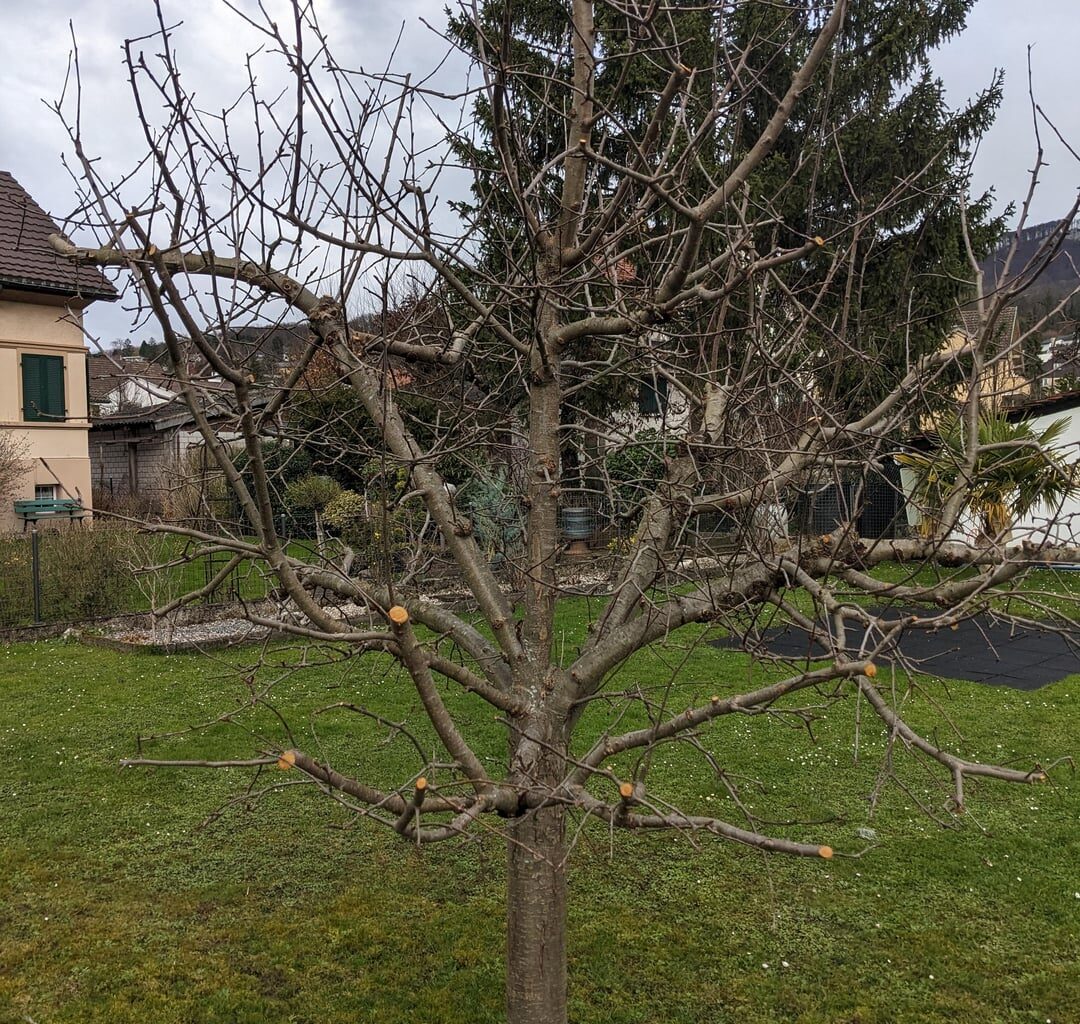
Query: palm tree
[(1016, 468)]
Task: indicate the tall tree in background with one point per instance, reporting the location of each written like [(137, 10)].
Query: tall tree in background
[(902, 153), (872, 160)]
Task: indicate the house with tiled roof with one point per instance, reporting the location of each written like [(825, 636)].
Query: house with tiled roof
[(1003, 382), (44, 401), (126, 383), (1059, 369)]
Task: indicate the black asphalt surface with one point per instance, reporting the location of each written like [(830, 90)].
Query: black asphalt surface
[(980, 649)]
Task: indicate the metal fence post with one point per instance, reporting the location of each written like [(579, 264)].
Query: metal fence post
[(35, 570)]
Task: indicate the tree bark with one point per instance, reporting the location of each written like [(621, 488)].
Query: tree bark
[(536, 918)]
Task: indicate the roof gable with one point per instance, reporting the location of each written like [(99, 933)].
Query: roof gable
[(1006, 329), (27, 261), (108, 374)]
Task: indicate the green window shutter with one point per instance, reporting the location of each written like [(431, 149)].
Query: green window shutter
[(43, 388), (33, 387), (55, 404)]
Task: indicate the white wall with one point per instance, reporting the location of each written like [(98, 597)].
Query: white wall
[(1055, 525), (134, 392)]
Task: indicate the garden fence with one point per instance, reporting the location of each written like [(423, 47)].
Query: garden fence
[(74, 573), (71, 572)]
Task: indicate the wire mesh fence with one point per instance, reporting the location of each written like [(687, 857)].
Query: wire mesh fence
[(69, 573), (872, 503), (75, 573), (874, 507)]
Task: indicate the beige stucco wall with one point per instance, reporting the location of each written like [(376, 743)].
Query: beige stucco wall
[(56, 453), (40, 322), (1000, 382)]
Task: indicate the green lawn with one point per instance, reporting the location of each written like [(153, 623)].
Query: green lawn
[(115, 906)]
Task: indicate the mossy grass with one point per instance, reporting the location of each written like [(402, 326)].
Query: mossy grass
[(116, 906)]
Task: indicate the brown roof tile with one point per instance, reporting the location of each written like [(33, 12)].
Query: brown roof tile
[(107, 372), (26, 258), (1005, 330)]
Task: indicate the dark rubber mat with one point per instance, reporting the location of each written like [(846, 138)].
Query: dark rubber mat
[(981, 649)]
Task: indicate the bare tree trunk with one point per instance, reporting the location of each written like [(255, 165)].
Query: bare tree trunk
[(536, 919)]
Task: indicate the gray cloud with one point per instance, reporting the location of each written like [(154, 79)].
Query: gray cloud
[(211, 44), (998, 35)]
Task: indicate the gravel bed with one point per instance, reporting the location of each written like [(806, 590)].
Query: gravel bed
[(586, 580), (193, 637), (222, 629)]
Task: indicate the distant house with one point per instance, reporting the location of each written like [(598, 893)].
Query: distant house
[(1003, 386), (1060, 370), (44, 404), (1004, 382), (142, 429), (125, 384), (136, 454)]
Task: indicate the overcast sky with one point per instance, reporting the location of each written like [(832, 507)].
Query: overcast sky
[(35, 43)]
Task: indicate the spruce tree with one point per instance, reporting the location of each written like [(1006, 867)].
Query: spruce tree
[(874, 162)]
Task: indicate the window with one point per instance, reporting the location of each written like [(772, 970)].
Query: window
[(43, 388), (44, 492), (653, 396)]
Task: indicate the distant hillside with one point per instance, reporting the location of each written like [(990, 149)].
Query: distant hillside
[(1060, 279), (1064, 271)]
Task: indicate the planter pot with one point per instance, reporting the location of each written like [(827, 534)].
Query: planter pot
[(577, 527), (577, 523), (770, 525)]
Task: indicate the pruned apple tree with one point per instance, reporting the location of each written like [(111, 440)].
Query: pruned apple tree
[(618, 200)]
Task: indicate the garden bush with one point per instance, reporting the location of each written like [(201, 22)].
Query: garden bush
[(87, 571)]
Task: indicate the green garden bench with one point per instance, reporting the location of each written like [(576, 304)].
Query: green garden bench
[(35, 509)]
